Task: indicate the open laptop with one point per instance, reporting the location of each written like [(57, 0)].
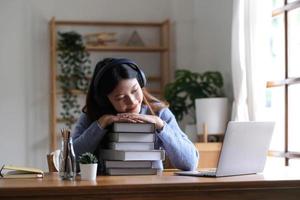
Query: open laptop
[(244, 150)]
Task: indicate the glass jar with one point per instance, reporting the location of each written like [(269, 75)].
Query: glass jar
[(67, 161)]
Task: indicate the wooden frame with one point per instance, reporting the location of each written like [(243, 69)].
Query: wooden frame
[(286, 82), (163, 49)]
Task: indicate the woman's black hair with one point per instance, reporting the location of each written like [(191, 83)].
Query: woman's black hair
[(97, 103)]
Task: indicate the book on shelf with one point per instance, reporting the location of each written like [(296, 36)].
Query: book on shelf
[(131, 145), (11, 171), (133, 127), (127, 164), (131, 171), (131, 137), (109, 154)]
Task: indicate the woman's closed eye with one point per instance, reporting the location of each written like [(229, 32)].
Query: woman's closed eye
[(120, 98), (134, 91)]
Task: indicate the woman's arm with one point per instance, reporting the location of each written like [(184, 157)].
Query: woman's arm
[(87, 135), (179, 149)]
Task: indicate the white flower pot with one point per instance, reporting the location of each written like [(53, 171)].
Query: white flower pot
[(214, 113), (88, 171)]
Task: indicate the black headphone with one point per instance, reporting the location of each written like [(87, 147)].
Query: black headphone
[(141, 78), (118, 61)]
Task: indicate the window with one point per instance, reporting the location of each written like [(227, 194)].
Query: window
[(283, 87)]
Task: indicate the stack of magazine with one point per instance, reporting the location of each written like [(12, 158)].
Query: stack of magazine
[(131, 149)]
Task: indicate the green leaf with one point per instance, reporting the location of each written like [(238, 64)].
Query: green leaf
[(74, 68), (87, 158), (188, 86)]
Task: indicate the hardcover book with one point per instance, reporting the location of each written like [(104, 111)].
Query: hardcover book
[(108, 154), (131, 145), (127, 164), (131, 137), (138, 171), (10, 171), (133, 127)]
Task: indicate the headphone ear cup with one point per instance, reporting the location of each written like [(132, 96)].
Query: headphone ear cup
[(142, 78)]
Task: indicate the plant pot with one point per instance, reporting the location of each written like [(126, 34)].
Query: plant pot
[(88, 171), (213, 112)]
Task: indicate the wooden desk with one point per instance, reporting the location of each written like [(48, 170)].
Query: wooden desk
[(281, 185)]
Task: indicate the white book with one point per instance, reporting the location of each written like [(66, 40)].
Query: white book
[(133, 127), (131, 145), (131, 137), (131, 171), (109, 154), (127, 164)]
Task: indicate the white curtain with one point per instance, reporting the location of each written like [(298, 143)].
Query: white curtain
[(250, 56)]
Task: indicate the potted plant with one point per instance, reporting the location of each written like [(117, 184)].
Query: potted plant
[(190, 88), (88, 166), (74, 72)]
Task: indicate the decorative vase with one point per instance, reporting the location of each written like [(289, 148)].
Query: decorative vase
[(88, 171), (212, 115)]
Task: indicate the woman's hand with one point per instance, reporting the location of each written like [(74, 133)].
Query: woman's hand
[(140, 118), (106, 120)]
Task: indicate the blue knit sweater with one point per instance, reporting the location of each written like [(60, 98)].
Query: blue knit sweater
[(87, 137)]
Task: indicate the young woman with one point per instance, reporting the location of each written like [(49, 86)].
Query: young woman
[(116, 94)]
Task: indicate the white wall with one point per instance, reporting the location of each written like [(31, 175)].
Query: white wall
[(200, 35), (202, 38), (213, 35)]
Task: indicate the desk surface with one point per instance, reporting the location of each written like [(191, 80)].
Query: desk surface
[(284, 184)]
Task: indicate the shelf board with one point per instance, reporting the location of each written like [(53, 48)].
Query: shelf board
[(153, 78), (76, 92), (79, 92), (107, 23), (61, 120), (127, 48), (149, 78), (154, 91)]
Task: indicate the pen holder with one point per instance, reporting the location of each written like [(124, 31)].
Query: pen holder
[(67, 161)]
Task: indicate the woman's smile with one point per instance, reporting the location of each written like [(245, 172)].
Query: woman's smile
[(132, 109)]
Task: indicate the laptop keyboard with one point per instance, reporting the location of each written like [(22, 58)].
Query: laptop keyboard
[(208, 172)]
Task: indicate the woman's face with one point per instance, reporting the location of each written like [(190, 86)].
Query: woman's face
[(127, 97)]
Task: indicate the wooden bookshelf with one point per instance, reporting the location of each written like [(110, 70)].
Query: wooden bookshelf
[(162, 49)]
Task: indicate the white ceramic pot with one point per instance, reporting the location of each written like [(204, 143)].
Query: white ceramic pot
[(88, 171), (214, 113)]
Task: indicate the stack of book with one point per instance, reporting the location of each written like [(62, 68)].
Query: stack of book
[(131, 149)]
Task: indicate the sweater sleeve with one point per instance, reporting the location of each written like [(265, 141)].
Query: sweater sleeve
[(179, 149), (86, 135)]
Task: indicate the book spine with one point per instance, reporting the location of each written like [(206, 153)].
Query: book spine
[(131, 145), (150, 155), (134, 127), (133, 171), (131, 137), (128, 164)]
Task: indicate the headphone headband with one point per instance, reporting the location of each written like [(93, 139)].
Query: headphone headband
[(141, 76)]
